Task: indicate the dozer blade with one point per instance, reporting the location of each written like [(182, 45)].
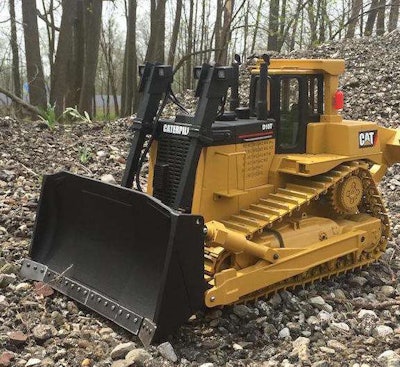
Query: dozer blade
[(119, 252)]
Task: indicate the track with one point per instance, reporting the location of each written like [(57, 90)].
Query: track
[(295, 197)]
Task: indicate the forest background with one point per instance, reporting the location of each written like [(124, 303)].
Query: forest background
[(83, 55)]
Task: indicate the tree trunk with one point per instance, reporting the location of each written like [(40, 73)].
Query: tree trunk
[(312, 22), (61, 72), (51, 32), (156, 46), (218, 26), (273, 25), (78, 56), (92, 20), (393, 15), (14, 49), (380, 20), (225, 32), (175, 32), (373, 10), (256, 26), (129, 79), (188, 77), (37, 88), (355, 11)]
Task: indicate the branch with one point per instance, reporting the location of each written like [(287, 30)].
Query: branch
[(51, 25), (188, 56), (21, 102)]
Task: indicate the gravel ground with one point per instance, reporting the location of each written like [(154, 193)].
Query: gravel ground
[(351, 320)]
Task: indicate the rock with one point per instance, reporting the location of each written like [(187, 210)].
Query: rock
[(107, 178), (339, 294), (6, 358), (322, 363), (72, 307), (340, 326), (320, 303), (43, 332), (208, 364), (336, 345), (137, 357), (389, 358), (22, 287), (300, 347), (236, 346), (367, 313), (101, 154), (388, 290), (17, 337), (167, 351), (382, 331), (327, 350), (33, 362), (3, 303), (121, 350), (312, 320), (43, 289), (284, 333), (86, 362), (120, 363), (9, 268), (241, 311), (324, 316), (358, 281), (275, 300), (7, 279)]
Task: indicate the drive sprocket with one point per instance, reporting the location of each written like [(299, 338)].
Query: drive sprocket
[(347, 195)]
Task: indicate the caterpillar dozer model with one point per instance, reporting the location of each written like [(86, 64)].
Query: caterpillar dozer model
[(239, 203)]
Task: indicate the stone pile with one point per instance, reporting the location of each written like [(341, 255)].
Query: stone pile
[(351, 320)]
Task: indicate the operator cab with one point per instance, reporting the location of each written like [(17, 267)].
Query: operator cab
[(293, 101)]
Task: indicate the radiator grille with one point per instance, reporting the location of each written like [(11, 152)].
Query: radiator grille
[(172, 153)]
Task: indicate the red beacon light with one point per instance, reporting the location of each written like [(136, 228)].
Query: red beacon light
[(338, 100)]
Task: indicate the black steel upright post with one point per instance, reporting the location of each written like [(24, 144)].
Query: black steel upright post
[(212, 88), (155, 81), (262, 113)]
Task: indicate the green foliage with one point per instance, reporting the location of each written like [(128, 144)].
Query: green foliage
[(48, 116), (85, 154), (72, 114)]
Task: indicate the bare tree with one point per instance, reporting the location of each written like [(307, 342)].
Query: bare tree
[(14, 49), (354, 17), (393, 15), (273, 25), (62, 73), (129, 81), (156, 46), (92, 24), (175, 32), (37, 88), (373, 11), (380, 20)]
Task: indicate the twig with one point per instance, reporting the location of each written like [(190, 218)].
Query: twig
[(28, 169), (365, 304)]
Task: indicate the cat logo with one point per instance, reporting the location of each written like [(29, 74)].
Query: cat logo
[(176, 129), (367, 138)]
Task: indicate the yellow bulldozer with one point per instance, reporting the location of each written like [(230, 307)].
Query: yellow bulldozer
[(239, 203)]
